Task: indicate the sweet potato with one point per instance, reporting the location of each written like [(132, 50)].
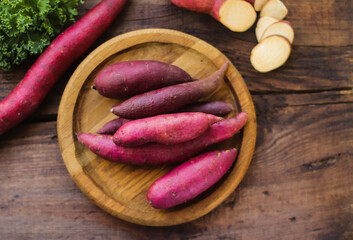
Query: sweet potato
[(57, 57), (155, 153), (112, 126), (237, 15), (165, 129), (217, 108), (126, 79), (169, 99), (190, 179)]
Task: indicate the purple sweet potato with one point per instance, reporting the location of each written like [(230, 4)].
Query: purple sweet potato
[(155, 153), (126, 79), (165, 129), (190, 179), (112, 126), (217, 108), (55, 60), (169, 99)]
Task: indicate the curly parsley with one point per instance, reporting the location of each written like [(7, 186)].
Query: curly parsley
[(28, 26)]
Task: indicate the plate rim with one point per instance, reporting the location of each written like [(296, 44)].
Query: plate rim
[(75, 169)]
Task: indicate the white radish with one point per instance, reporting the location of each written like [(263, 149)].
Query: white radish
[(275, 9), (271, 53), (282, 28), (262, 24)]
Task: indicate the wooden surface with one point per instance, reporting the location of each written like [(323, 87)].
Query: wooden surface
[(121, 189), (299, 184)]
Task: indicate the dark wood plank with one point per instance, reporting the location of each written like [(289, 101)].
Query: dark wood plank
[(307, 69), (321, 23), (299, 183)]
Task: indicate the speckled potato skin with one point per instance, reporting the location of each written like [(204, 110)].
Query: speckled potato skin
[(129, 78), (165, 129), (190, 179), (169, 99), (204, 6), (112, 126)]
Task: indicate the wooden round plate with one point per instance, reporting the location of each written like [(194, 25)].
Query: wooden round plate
[(120, 189)]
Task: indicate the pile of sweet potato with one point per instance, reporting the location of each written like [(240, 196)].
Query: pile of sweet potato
[(162, 122)]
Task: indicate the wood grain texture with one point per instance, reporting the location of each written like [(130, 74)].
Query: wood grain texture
[(120, 189), (297, 187), (299, 184)]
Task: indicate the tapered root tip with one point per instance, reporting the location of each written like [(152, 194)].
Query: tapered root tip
[(79, 137), (223, 69), (225, 65)]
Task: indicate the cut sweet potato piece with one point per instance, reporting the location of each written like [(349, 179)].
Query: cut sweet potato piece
[(259, 4), (237, 15), (270, 53), (275, 9), (262, 24), (282, 28)]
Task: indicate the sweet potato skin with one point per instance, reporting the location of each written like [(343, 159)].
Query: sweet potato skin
[(169, 99), (204, 6), (190, 179), (217, 108), (154, 153), (112, 126), (165, 129), (57, 57), (129, 78)]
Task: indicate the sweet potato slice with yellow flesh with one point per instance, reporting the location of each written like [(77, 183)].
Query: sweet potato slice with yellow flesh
[(270, 53)]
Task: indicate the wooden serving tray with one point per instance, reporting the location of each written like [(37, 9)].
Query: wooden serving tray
[(120, 189)]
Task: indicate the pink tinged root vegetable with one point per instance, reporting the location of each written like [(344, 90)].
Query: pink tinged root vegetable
[(190, 179), (165, 129), (237, 15), (57, 57), (217, 108), (169, 99), (112, 126), (252, 2), (154, 153), (126, 79)]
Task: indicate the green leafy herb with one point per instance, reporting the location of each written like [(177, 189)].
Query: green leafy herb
[(28, 26)]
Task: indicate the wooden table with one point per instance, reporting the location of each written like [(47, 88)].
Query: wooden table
[(300, 182)]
